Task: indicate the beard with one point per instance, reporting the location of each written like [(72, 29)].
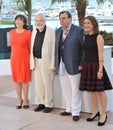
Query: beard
[(40, 27)]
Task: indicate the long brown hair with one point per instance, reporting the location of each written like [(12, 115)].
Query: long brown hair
[(94, 23)]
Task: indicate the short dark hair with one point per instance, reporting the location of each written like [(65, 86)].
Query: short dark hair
[(24, 19), (67, 12)]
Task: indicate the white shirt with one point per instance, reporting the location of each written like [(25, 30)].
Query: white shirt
[(62, 69)]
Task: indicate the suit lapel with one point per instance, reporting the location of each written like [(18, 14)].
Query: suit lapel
[(68, 36), (70, 32), (59, 33), (33, 37)]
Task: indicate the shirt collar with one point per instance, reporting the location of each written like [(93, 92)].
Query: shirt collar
[(68, 27)]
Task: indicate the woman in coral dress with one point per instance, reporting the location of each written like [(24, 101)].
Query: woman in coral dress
[(20, 53)]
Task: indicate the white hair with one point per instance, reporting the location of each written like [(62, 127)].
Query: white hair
[(40, 14)]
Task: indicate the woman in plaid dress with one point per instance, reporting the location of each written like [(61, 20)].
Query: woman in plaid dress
[(94, 77)]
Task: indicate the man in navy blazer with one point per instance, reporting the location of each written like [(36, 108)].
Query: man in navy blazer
[(69, 57)]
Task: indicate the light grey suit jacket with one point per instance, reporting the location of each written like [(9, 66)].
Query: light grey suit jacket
[(48, 48), (73, 49)]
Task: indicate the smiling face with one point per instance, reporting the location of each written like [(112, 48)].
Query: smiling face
[(19, 23), (40, 22), (89, 27)]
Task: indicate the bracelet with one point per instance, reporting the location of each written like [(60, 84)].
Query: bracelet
[(101, 60), (100, 72)]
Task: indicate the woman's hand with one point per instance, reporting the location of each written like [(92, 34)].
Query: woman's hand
[(99, 75), (80, 67)]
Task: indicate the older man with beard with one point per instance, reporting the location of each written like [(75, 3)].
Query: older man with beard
[(42, 63)]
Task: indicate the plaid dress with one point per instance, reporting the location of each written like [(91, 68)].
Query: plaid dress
[(89, 81)]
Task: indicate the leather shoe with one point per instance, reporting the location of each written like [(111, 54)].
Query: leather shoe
[(92, 119), (102, 123), (26, 106), (39, 108), (19, 106), (65, 113), (47, 109), (76, 118)]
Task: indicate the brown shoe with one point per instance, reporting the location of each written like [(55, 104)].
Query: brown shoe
[(65, 113), (76, 118)]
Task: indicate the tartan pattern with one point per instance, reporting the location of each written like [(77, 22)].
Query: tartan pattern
[(89, 81)]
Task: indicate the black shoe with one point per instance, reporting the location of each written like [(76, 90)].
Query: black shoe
[(47, 109), (91, 119), (65, 113), (102, 123), (19, 107), (76, 118), (39, 108), (26, 106)]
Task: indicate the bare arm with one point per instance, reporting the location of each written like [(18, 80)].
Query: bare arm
[(100, 45)]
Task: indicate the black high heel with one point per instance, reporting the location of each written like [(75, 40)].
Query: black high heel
[(26, 106), (102, 123), (19, 107), (91, 119)]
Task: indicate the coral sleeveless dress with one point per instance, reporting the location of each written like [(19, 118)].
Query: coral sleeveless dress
[(20, 55)]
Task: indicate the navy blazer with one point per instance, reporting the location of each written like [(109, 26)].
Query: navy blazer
[(73, 49)]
